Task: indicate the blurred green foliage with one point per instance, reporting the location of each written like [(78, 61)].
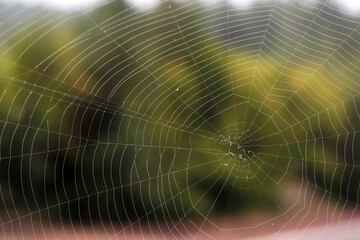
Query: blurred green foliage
[(118, 114)]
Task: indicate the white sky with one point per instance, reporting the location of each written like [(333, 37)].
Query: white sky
[(349, 5)]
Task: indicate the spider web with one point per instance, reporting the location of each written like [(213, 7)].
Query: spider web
[(190, 120)]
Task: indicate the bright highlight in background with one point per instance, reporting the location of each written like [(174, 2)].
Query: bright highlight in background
[(143, 4), (241, 3), (348, 5), (61, 4)]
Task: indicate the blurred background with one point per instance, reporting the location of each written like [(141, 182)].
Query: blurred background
[(150, 119)]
